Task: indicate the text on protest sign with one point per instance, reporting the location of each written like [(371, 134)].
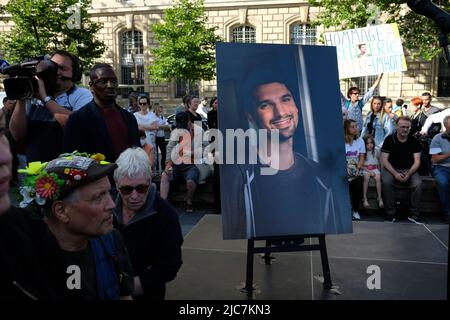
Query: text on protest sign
[(368, 51)]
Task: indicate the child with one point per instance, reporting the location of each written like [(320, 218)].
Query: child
[(398, 108), (371, 169)]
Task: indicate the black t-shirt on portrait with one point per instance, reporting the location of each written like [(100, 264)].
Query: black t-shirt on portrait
[(289, 202)]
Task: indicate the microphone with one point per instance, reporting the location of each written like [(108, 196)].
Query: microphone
[(430, 10)]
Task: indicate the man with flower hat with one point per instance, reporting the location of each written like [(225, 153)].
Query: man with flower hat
[(73, 252)]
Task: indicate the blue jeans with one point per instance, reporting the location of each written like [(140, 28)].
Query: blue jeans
[(442, 176)]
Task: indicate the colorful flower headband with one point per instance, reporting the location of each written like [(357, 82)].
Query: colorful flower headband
[(40, 186)]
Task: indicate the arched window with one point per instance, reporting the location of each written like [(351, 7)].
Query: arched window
[(303, 34), (132, 60), (244, 34)]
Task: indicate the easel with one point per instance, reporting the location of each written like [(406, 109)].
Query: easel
[(286, 244)]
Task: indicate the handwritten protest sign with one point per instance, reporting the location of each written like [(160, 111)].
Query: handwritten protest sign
[(368, 51)]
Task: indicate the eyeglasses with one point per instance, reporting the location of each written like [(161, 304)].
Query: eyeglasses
[(357, 93), (141, 188), (142, 103)]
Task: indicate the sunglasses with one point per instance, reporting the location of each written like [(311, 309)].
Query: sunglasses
[(355, 93), (142, 103), (141, 188)]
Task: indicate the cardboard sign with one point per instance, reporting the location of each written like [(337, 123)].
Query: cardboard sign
[(368, 51)]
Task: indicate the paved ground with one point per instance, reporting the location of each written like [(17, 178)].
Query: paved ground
[(412, 261)]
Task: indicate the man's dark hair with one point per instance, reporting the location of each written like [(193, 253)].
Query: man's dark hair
[(77, 68), (405, 118), (427, 94), (5, 99), (97, 66), (259, 76), (399, 102)]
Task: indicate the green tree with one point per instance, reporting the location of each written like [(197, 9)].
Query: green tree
[(419, 33), (60, 24), (186, 45)]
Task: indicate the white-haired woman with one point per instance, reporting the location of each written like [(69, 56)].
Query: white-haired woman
[(149, 225)]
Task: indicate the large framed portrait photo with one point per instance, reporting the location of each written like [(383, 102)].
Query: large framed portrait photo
[(282, 168)]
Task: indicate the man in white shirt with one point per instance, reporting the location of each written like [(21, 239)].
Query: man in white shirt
[(435, 118), (440, 157), (39, 122)]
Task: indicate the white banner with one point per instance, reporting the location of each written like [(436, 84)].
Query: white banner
[(368, 51)]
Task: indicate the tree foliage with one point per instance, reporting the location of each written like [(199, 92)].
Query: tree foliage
[(419, 33), (186, 45), (60, 24)]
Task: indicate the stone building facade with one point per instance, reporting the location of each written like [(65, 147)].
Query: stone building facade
[(126, 33)]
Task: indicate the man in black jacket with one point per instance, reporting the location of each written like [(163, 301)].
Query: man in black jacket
[(102, 126), (73, 254)]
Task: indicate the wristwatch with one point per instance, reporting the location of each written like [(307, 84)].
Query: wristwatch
[(47, 99)]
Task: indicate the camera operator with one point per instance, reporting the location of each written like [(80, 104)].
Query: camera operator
[(40, 121)]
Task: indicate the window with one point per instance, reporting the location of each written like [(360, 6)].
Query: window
[(364, 83), (181, 90), (443, 78), (303, 34), (131, 61), (244, 34)]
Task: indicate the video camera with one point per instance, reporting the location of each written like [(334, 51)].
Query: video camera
[(22, 83)]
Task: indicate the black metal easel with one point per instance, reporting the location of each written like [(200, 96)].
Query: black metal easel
[(286, 244)]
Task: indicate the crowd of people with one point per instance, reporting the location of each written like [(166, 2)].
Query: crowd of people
[(395, 147), (91, 223)]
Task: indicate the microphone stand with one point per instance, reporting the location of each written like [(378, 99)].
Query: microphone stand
[(444, 43)]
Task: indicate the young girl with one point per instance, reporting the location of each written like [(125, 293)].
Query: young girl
[(371, 169), (354, 153)]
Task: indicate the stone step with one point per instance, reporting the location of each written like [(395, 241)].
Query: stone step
[(429, 200)]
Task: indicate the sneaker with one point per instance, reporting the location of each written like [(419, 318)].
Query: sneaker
[(356, 215), (391, 219)]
